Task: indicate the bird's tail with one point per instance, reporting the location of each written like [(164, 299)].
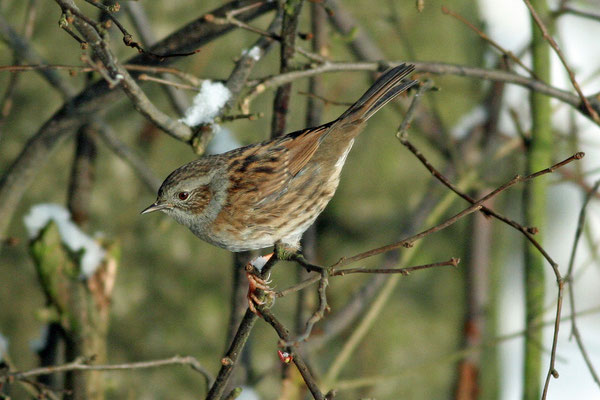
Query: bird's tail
[(388, 86)]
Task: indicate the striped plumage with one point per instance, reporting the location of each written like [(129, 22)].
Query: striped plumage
[(258, 195)]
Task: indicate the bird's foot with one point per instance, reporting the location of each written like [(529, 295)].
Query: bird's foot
[(259, 291)]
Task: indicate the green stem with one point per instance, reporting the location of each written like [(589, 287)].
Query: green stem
[(534, 202)]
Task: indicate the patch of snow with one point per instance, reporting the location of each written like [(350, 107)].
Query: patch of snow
[(207, 104), (253, 53), (71, 235)]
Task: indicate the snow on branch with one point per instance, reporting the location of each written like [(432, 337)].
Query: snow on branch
[(207, 104), (71, 235)]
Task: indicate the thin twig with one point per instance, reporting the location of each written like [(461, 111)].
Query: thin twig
[(325, 100), (81, 364), (403, 271), (569, 278), (319, 312), (145, 77), (563, 60), (82, 43), (128, 38), (194, 81), (258, 86), (565, 9), (488, 39), (229, 19), (364, 270)]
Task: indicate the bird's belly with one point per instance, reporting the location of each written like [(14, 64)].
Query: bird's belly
[(260, 230), (279, 219)]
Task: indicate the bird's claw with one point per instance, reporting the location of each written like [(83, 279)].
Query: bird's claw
[(254, 298)]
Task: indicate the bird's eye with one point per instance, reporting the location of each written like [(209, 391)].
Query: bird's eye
[(183, 195)]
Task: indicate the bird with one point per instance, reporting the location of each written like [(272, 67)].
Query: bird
[(269, 193)]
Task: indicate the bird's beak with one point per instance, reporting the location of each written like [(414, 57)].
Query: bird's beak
[(156, 206)]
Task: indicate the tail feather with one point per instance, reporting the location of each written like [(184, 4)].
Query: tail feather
[(388, 86)]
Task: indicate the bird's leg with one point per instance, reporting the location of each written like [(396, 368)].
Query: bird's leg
[(258, 288), (299, 258), (287, 254)]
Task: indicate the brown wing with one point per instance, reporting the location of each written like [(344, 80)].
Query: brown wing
[(302, 145), (263, 171), (258, 172)]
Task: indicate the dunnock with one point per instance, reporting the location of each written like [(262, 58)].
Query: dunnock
[(269, 193)]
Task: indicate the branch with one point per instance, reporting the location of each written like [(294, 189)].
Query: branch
[(232, 355), (403, 271), (117, 74), (585, 14), (81, 364), (283, 334), (269, 82)]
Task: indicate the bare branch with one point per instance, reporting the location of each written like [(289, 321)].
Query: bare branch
[(404, 271), (269, 82), (82, 364)]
